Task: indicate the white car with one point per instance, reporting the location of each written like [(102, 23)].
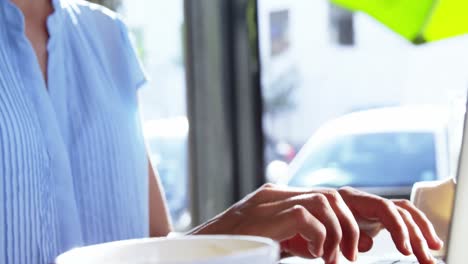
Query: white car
[(382, 151)]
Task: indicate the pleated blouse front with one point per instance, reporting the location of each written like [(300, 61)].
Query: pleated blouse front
[(73, 168)]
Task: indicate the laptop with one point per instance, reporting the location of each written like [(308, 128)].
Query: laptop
[(457, 246)]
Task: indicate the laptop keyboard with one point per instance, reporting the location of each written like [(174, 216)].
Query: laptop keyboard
[(364, 260), (403, 262)]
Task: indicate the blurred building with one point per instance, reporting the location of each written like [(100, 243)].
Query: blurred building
[(335, 72)]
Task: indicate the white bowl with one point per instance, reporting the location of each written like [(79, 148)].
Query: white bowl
[(181, 250)]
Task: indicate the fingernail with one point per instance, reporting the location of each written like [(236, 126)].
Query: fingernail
[(408, 247), (429, 255), (441, 242), (315, 251), (333, 256)]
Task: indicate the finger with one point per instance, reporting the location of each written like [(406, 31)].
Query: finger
[(368, 206), (349, 226), (371, 228), (296, 246), (418, 242), (423, 223), (322, 209), (297, 220), (388, 214), (333, 256), (317, 205), (365, 242)]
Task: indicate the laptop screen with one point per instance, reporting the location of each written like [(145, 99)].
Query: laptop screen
[(458, 239)]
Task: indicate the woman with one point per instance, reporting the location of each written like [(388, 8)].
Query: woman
[(73, 167)]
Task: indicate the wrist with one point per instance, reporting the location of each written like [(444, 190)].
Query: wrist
[(220, 224), (210, 227)]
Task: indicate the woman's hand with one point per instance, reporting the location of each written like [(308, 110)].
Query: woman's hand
[(410, 229), (323, 223)]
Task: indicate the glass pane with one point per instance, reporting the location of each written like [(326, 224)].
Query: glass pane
[(157, 27), (349, 102)]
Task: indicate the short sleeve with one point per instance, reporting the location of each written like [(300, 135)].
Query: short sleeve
[(136, 72)]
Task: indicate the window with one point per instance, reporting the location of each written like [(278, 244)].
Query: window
[(370, 160), (157, 27), (337, 63)]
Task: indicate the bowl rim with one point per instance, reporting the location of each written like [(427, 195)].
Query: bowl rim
[(268, 246)]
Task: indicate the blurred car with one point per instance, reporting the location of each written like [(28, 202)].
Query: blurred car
[(167, 140), (382, 151)]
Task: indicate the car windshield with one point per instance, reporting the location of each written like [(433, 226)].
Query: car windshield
[(367, 160)]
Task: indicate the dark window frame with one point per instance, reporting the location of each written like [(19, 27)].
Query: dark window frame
[(224, 103)]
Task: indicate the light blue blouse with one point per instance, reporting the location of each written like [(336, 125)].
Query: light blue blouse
[(73, 167)]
